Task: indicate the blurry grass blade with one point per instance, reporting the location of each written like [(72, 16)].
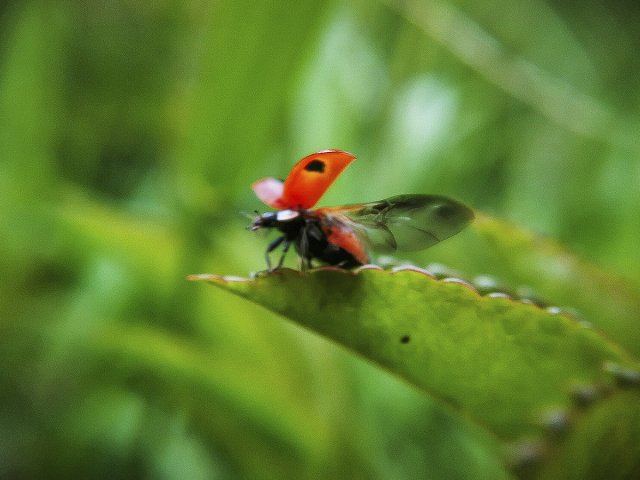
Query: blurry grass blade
[(474, 46), (244, 47), (219, 398), (29, 99)]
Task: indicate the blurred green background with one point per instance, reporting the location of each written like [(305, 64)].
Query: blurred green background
[(130, 133)]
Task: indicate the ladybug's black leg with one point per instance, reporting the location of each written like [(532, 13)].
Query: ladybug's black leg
[(272, 246), (303, 249), (285, 249)]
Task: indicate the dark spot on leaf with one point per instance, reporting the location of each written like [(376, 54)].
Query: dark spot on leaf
[(405, 339), (315, 166)]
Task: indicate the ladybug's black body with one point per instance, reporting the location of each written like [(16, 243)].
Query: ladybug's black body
[(304, 231)]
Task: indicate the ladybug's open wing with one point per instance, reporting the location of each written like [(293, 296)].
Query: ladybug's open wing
[(404, 222)]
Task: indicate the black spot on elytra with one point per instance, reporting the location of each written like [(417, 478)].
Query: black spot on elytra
[(405, 339), (315, 166)]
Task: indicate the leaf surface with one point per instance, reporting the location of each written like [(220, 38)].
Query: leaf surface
[(504, 363)]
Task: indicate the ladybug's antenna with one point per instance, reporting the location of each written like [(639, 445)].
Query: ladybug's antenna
[(250, 216)]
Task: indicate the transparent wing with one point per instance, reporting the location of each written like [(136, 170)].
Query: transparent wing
[(404, 222), (269, 190)]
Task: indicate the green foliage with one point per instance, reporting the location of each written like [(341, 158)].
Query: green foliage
[(129, 135)]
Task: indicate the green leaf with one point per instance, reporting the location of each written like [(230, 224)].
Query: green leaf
[(513, 367)]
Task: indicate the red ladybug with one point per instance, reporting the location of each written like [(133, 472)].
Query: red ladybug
[(340, 236)]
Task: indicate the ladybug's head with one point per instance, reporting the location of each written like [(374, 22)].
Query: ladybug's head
[(274, 219), (265, 220)]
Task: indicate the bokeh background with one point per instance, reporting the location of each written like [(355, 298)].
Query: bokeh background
[(130, 133)]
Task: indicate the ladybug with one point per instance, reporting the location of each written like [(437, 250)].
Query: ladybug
[(341, 236)]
